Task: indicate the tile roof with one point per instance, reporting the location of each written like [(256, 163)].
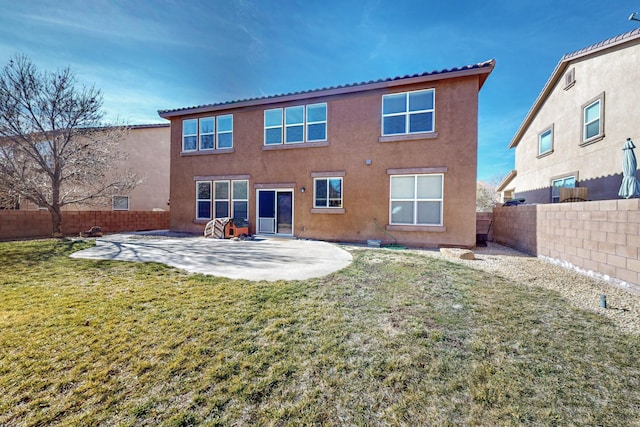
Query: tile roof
[(622, 38), (489, 65)]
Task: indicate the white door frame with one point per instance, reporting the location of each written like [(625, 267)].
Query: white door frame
[(274, 225)]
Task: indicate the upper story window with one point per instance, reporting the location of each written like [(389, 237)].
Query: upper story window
[(545, 142), (207, 133), (295, 124), (416, 199), (408, 112), (327, 193), (593, 120)]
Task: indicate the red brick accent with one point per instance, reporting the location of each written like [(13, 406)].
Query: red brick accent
[(30, 224)]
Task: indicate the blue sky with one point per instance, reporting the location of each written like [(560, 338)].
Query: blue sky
[(149, 55)]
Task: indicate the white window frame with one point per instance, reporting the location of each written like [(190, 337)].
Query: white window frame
[(328, 206), (305, 124), (415, 200), (317, 122), (279, 126), (235, 199), (113, 203), (217, 199), (407, 113), (600, 101), (295, 124), (549, 131), (198, 200), (212, 133), (199, 134), (185, 135), (226, 132)]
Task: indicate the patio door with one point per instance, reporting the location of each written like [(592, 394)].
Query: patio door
[(275, 212)]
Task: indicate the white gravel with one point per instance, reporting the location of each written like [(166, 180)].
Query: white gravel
[(580, 290)]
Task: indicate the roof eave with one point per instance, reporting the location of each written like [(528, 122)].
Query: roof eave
[(482, 71), (506, 180)]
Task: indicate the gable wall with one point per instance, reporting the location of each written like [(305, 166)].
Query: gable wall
[(599, 164)]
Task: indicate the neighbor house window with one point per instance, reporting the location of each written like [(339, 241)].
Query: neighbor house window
[(120, 203), (557, 184), (203, 200), (207, 133), (409, 112), (545, 141), (189, 134), (593, 120), (295, 124), (327, 193), (416, 199)]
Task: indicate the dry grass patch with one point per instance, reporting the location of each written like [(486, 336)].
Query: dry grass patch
[(394, 339)]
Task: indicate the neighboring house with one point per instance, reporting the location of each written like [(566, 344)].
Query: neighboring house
[(574, 133), (387, 159), (147, 150)]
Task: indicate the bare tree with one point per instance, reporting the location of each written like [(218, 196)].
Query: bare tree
[(54, 149), (486, 195)]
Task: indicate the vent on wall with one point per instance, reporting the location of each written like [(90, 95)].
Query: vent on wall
[(570, 79)]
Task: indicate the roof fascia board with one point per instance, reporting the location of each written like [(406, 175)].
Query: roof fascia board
[(486, 69)]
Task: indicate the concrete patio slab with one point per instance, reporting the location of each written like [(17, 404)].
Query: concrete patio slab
[(260, 259)]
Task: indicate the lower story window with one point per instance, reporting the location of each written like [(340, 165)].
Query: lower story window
[(225, 199), (120, 203), (416, 199), (327, 193), (557, 184), (203, 200)]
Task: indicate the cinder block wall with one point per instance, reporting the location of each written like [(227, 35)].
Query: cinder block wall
[(600, 237), (30, 224)]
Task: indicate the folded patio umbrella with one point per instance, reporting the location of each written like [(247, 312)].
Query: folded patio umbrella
[(630, 186)]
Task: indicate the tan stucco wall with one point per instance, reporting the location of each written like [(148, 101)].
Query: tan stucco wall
[(353, 130), (614, 72), (148, 151)]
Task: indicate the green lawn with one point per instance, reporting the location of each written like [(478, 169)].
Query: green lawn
[(397, 338)]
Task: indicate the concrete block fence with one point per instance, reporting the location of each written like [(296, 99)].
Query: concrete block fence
[(600, 237), (32, 224)]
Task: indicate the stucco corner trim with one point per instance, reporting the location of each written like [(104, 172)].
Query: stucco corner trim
[(328, 174), (327, 211), (296, 145), (408, 137), (592, 140), (405, 171), (207, 152), (265, 186), (545, 154), (220, 177), (425, 228)]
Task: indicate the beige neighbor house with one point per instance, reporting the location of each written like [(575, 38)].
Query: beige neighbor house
[(574, 133), (147, 150), (390, 160)]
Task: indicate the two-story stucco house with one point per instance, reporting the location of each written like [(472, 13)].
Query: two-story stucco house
[(387, 159), (574, 133)]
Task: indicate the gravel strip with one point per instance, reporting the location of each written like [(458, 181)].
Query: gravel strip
[(580, 290)]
